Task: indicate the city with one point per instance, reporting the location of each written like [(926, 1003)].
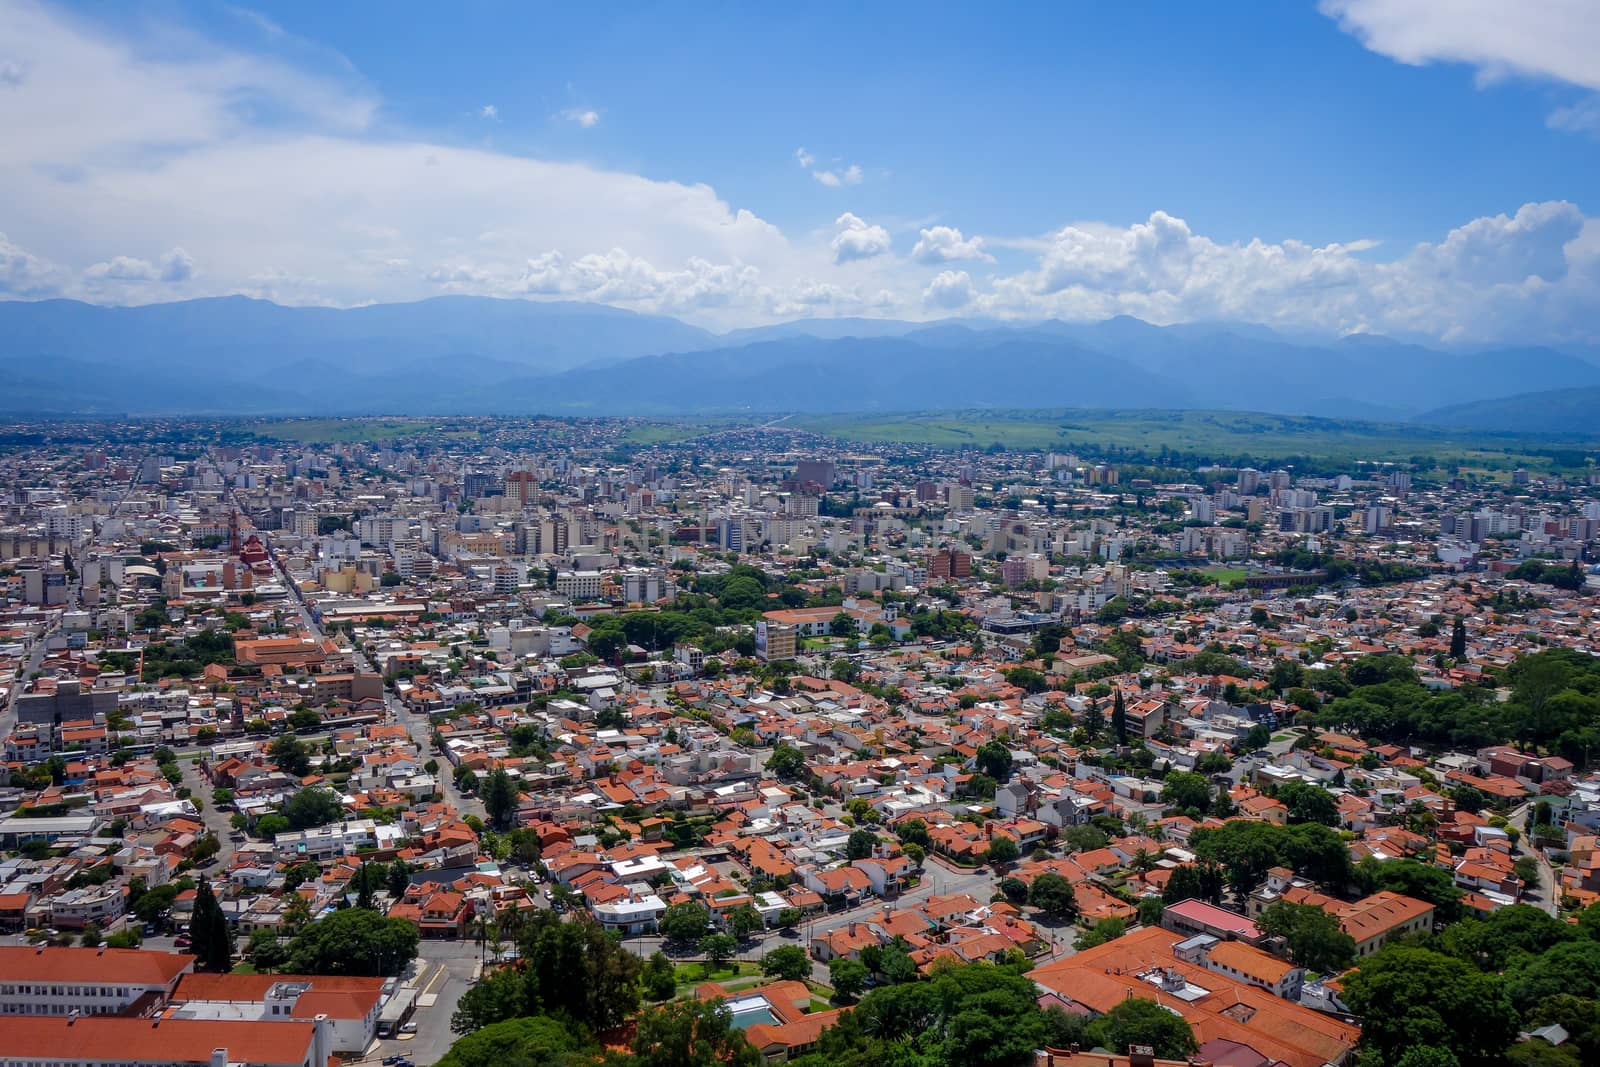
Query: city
[(826, 535), (788, 720)]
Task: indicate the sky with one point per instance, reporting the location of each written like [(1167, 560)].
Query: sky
[(1422, 168)]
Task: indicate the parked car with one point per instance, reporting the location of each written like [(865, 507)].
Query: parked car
[(408, 1028)]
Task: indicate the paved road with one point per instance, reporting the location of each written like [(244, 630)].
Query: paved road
[(1549, 899)]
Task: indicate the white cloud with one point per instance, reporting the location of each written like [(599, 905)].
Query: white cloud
[(1582, 117), (24, 274), (858, 240), (1554, 39), (944, 244), (588, 118), (833, 179), (128, 164), (488, 111), (949, 289)]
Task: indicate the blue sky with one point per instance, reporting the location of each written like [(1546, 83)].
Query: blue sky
[(1419, 167)]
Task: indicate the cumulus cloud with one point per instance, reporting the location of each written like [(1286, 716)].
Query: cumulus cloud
[(586, 117), (1582, 117), (24, 274), (833, 179), (488, 111), (949, 289), (944, 244), (173, 268), (1527, 275), (858, 240), (117, 149)]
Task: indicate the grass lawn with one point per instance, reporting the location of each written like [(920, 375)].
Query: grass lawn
[(1224, 575), (693, 974), (243, 967), (337, 431)]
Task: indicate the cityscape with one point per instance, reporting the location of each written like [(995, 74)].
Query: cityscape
[(843, 536)]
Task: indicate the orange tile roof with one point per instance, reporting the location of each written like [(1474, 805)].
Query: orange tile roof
[(95, 1039), (122, 966)]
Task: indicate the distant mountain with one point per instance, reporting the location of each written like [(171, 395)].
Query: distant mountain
[(1557, 411), (454, 355)]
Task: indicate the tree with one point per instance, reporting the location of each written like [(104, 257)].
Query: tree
[(1053, 895), (1094, 720), (265, 952), (788, 962), (1200, 881), (913, 832), (290, 755), (314, 806), (1137, 1021), (1493, 942), (1002, 850), (1572, 967), (744, 921), (500, 798), (1458, 639), (994, 759), (354, 941), (1119, 718), (849, 977), (787, 762), (1410, 996), (466, 778), (210, 939), (1013, 889), (1309, 803), (1101, 932), (1151, 909), (658, 977), (1185, 791), (842, 625), (1316, 940), (397, 878), (691, 1033), (534, 1041), (1412, 879), (684, 923), (860, 843), (717, 949)]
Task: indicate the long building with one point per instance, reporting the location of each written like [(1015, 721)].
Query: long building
[(89, 981), (99, 1041)]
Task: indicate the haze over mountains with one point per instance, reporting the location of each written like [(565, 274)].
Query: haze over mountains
[(453, 355)]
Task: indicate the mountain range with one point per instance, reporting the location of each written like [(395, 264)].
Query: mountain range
[(453, 355)]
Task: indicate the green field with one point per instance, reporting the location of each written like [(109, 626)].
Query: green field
[(340, 431), (1221, 435)]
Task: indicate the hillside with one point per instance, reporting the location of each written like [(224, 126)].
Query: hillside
[(1553, 411)]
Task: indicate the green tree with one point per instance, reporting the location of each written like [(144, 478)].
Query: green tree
[(1002, 850), (1053, 895), (685, 923), (1316, 940), (787, 762), (209, 937), (314, 806), (536, 1041), (1308, 803), (1137, 1021), (994, 759), (265, 952), (1458, 639), (1186, 791), (1119, 718), (848, 977), (290, 755), (1493, 942), (717, 949), (658, 977), (744, 921), (354, 941), (500, 798), (1101, 932), (1409, 997), (691, 1033), (788, 962), (397, 878), (860, 843), (1571, 967)]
